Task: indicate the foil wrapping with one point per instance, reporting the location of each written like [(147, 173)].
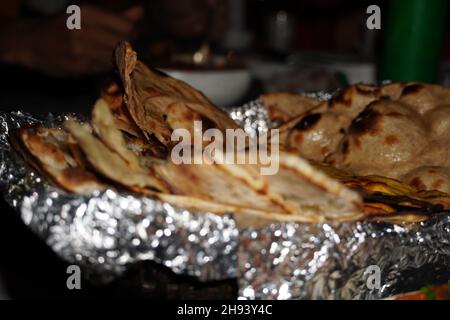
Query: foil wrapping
[(343, 261), (252, 117), (107, 232)]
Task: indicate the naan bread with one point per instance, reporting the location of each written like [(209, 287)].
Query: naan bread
[(104, 126), (208, 182), (314, 195), (405, 138), (390, 200)]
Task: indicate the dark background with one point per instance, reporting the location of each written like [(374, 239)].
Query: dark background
[(30, 270)]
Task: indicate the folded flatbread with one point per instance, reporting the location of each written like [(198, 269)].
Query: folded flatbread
[(283, 106), (51, 152), (158, 103), (107, 152)]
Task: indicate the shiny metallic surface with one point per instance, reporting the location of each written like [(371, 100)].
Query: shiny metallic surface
[(337, 261), (252, 117), (108, 232), (319, 95)]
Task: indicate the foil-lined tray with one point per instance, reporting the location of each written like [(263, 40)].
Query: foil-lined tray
[(108, 232)]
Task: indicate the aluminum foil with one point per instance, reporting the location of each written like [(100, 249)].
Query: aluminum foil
[(252, 117), (341, 261), (108, 232)]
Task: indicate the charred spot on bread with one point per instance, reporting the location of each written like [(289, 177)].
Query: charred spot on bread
[(308, 122), (412, 89), (366, 122), (390, 140), (342, 97), (417, 183), (345, 147)]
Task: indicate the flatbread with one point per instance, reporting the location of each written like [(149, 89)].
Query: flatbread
[(315, 196), (283, 106), (318, 132), (105, 127), (113, 96), (150, 93), (209, 183), (298, 192), (128, 141), (109, 163), (51, 154)]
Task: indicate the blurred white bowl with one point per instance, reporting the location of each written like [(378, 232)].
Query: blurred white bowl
[(222, 87)]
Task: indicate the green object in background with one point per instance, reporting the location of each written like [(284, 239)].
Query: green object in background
[(342, 79), (413, 40)]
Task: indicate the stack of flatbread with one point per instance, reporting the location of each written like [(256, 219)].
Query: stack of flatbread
[(397, 130), (126, 147)]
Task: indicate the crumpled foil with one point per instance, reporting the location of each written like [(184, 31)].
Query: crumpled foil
[(336, 261), (252, 117), (108, 232)]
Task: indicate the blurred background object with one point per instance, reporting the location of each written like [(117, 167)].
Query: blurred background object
[(224, 86), (280, 31), (261, 45), (237, 37), (414, 40)]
